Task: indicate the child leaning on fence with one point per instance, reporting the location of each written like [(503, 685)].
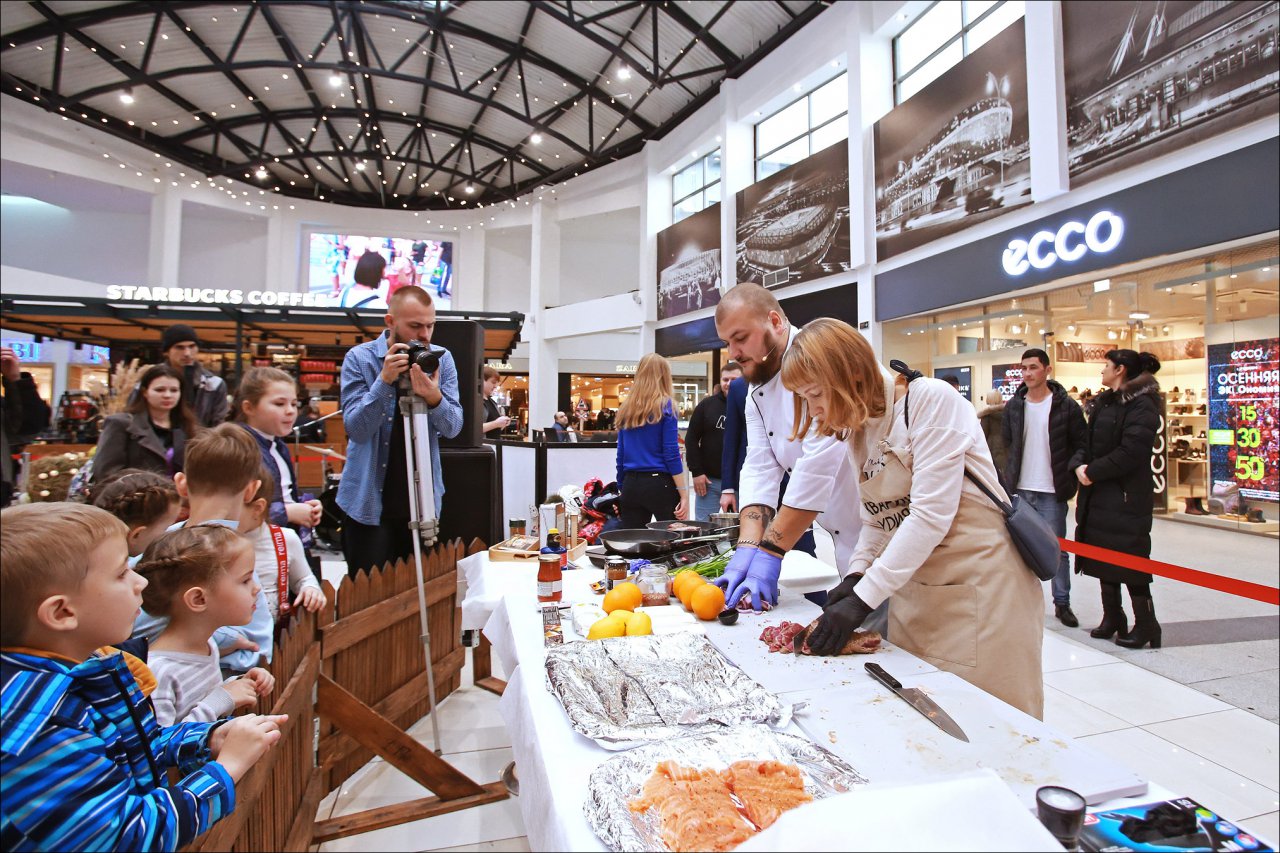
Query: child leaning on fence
[(201, 578), (82, 759)]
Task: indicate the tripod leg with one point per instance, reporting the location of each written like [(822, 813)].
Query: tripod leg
[(421, 508)]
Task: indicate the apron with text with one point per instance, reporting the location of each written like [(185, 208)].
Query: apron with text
[(973, 608)]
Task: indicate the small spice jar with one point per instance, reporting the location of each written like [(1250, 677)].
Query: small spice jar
[(615, 572), (653, 586)]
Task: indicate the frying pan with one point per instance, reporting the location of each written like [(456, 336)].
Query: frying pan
[(647, 543)]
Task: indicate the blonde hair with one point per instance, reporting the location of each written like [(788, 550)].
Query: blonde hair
[(650, 394), (183, 558), (831, 354), (44, 550)]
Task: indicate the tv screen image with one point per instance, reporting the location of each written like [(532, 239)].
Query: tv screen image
[(333, 258)]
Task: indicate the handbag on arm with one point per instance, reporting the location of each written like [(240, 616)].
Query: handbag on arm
[(1031, 534)]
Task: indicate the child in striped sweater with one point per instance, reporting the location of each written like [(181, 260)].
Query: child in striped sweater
[(82, 759)]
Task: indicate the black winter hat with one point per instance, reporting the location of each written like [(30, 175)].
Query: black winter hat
[(176, 334)]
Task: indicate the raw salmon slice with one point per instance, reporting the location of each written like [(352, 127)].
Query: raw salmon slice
[(766, 789)]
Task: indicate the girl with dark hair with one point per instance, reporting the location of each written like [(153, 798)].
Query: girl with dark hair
[(1116, 498), (152, 432), (365, 291)]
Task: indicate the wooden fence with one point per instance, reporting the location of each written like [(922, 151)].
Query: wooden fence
[(351, 677)]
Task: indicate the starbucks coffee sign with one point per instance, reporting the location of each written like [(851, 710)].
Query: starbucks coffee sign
[(217, 296)]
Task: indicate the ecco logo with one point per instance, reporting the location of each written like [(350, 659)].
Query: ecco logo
[(1247, 354), (1101, 234)]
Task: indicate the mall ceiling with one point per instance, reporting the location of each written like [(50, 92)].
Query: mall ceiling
[(413, 105)]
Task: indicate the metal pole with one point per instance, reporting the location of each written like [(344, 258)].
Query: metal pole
[(239, 349)]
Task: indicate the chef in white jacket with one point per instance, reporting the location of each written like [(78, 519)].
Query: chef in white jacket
[(822, 485)]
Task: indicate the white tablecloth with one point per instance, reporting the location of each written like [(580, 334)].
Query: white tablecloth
[(554, 762)]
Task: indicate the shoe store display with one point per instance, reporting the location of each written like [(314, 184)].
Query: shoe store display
[(1201, 435), (1255, 515), (1193, 506), (1203, 409)]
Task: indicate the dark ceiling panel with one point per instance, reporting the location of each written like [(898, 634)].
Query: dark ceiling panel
[(227, 88)]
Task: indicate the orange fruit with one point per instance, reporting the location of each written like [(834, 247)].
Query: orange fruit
[(624, 596), (690, 586), (682, 578), (707, 601)]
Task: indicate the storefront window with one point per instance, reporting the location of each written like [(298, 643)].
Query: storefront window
[(1212, 320)]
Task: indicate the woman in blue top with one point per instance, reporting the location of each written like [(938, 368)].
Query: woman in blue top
[(648, 448)]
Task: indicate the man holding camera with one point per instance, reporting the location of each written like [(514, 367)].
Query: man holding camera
[(374, 490)]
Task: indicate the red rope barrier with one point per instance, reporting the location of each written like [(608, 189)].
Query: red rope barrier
[(1244, 589)]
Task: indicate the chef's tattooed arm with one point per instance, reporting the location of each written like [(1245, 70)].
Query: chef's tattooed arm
[(752, 522), (783, 529)]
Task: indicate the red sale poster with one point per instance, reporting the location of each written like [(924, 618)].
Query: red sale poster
[(1244, 410)]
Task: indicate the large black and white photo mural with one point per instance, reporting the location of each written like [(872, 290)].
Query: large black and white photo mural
[(956, 152), (1146, 77), (689, 275), (793, 226)]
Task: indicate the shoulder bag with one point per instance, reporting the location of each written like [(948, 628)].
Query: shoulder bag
[(1031, 534)]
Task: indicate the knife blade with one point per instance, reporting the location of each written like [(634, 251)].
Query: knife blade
[(916, 698)]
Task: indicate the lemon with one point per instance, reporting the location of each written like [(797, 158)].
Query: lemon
[(624, 614), (639, 625), (607, 627)]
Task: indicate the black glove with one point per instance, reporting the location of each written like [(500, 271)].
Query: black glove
[(837, 624), (842, 589)]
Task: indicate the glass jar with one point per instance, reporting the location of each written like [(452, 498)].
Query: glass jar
[(615, 572), (654, 589)]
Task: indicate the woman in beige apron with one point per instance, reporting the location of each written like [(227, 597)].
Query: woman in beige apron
[(963, 599)]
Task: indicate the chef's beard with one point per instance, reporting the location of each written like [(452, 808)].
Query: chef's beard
[(760, 371)]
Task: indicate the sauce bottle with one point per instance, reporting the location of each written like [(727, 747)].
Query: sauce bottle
[(556, 546), (550, 578)]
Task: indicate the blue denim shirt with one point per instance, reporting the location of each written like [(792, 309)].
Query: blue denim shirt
[(368, 411)]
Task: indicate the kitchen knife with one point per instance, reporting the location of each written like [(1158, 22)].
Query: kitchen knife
[(916, 698)]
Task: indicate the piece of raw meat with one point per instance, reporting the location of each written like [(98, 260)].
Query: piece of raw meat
[(694, 807), (861, 643), (766, 789)]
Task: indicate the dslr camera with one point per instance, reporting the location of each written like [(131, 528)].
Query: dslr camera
[(425, 356)]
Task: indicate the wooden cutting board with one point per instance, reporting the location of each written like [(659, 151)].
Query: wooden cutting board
[(887, 740)]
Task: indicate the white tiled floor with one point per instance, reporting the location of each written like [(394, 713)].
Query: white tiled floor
[(1171, 733)]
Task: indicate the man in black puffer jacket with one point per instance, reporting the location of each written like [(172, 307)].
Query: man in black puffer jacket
[(1043, 429)]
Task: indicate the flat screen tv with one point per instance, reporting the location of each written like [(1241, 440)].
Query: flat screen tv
[(332, 261)]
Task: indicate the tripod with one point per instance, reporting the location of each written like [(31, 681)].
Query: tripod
[(422, 516)]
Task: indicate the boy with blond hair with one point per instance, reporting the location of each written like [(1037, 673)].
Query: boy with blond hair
[(82, 759)]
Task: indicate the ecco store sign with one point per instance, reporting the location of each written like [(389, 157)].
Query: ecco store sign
[(1071, 242), (216, 296)]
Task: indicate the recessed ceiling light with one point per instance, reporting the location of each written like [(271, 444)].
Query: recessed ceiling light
[(624, 73), (261, 173), (360, 167), (335, 80), (536, 138), (126, 97), (1139, 315)]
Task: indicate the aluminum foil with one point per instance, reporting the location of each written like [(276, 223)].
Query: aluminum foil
[(631, 690), (618, 781)]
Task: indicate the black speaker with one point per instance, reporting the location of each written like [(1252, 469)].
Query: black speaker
[(472, 508), (465, 340)]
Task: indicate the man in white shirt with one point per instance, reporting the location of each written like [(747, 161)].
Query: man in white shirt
[(823, 485), (1043, 427)]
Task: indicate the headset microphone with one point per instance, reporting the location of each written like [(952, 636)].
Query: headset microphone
[(771, 351)]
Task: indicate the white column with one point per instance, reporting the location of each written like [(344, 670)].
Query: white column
[(1046, 101), (164, 247), (470, 262), (544, 281), (276, 278), (737, 172), (655, 214), (870, 99)]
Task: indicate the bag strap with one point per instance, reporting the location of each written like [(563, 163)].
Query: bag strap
[(282, 568), (912, 375)]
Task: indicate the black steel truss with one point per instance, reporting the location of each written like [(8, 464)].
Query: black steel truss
[(414, 174)]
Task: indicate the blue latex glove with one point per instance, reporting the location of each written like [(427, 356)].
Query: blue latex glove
[(736, 572), (761, 581)]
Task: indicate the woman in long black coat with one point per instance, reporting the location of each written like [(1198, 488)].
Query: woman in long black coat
[(1116, 498)]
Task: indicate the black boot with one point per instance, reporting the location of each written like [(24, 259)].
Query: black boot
[(1113, 619), (1145, 628), (1194, 507)]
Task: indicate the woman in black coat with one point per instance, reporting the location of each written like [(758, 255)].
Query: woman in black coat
[(151, 433), (1116, 498)]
